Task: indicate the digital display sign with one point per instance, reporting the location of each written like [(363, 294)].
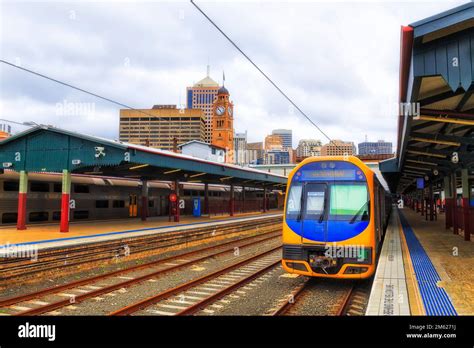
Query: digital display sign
[(329, 174)]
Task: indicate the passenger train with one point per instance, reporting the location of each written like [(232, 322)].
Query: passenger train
[(336, 212), (102, 198)]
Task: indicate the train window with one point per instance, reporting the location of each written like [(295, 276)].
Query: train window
[(56, 215), (102, 203), (11, 186), (293, 205), (36, 186), (81, 214), (39, 216), (81, 188), (151, 203), (118, 204), (57, 187), (8, 218), (349, 202)]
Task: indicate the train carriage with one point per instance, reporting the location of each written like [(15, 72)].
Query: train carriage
[(336, 212)]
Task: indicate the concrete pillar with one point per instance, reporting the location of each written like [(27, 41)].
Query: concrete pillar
[(22, 193), (231, 200), (454, 203), (144, 198), (65, 198), (465, 204), (206, 198)]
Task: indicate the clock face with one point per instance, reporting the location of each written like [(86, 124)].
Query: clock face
[(220, 110), (229, 110)]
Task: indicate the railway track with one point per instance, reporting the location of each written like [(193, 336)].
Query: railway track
[(91, 287), (51, 260), (194, 296), (352, 302)]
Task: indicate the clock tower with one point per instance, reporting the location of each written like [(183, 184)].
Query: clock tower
[(223, 123)]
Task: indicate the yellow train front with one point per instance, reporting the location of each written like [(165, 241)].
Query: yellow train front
[(335, 216)]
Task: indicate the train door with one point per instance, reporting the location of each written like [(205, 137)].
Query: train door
[(133, 207), (314, 221)]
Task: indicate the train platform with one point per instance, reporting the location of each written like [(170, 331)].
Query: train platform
[(423, 269), (46, 236)]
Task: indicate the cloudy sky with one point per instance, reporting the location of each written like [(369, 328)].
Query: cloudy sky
[(338, 61)]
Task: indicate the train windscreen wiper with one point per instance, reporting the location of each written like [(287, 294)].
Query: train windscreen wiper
[(358, 213), (323, 213)]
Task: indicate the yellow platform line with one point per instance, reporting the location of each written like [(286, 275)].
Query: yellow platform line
[(414, 295)]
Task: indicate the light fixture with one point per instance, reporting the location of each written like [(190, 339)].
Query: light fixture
[(139, 166), (196, 175), (172, 171)]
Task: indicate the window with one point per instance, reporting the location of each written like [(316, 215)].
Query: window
[(118, 204), (213, 151), (56, 215), (151, 203), (349, 202), (39, 187), (103, 203), (39, 216), (57, 187), (293, 204), (81, 214), (81, 188), (11, 186), (8, 218)]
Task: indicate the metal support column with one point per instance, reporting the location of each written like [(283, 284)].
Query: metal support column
[(176, 215), (144, 212), (65, 198), (22, 193), (231, 200), (264, 199), (206, 199), (447, 202), (454, 203), (465, 203)]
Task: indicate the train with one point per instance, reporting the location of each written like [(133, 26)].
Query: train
[(103, 198), (335, 216)]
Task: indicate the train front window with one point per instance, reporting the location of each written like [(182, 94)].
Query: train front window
[(293, 206), (315, 197), (349, 202)]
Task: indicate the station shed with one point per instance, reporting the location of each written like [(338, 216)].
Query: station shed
[(47, 149), (435, 145)]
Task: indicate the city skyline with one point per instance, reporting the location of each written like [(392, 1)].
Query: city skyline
[(100, 60)]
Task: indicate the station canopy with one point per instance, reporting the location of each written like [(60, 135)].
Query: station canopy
[(436, 123), (47, 149)]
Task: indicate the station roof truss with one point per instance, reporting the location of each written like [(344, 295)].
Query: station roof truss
[(48, 149), (436, 116)]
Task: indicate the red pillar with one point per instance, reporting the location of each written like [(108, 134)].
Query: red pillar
[(231, 200), (65, 197), (22, 193)]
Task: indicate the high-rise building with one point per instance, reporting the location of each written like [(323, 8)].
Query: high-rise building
[(255, 153), (338, 148), (223, 123), (277, 157), (286, 136), (240, 148), (162, 127), (273, 142), (380, 147), (308, 148), (202, 96)]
